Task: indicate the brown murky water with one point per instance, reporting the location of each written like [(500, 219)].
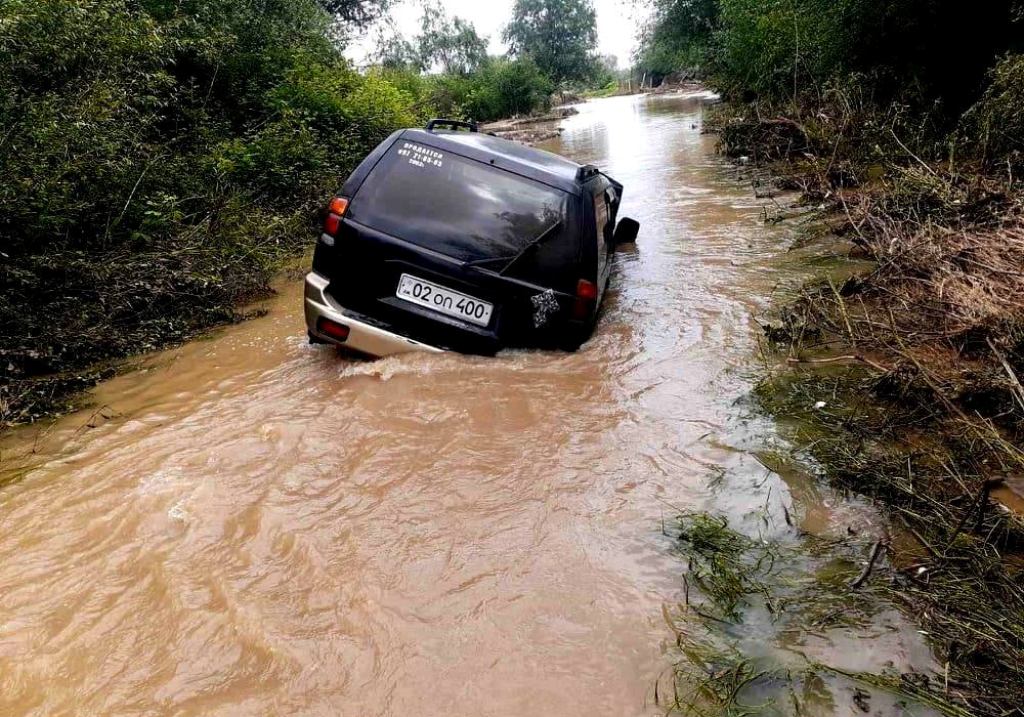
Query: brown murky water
[(251, 525)]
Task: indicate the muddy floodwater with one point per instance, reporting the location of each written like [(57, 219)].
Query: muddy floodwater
[(250, 525)]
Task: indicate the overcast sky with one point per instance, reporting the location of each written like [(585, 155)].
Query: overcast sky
[(616, 24)]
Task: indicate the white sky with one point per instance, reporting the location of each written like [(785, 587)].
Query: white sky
[(617, 22)]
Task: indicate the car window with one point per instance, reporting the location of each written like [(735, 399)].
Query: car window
[(602, 216), (457, 206)]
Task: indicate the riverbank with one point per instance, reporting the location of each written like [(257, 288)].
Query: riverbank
[(158, 164), (901, 381), (69, 327), (531, 129)]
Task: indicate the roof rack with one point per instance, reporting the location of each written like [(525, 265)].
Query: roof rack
[(586, 172), (453, 124)]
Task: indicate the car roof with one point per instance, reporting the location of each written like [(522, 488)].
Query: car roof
[(537, 164)]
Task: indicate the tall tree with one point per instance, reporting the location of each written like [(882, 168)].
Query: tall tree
[(449, 42), (677, 34), (393, 51), (356, 13), (560, 36)]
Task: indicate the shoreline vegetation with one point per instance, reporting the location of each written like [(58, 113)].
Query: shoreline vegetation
[(162, 160), (901, 381)]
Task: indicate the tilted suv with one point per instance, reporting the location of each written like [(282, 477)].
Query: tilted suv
[(447, 239)]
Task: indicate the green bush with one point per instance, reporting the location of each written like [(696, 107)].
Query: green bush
[(447, 95), (923, 53), (500, 88), (996, 122), (158, 157), (504, 88)]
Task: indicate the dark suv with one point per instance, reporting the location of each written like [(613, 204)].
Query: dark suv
[(445, 238)]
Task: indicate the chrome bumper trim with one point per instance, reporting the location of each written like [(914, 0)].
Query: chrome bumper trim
[(362, 337)]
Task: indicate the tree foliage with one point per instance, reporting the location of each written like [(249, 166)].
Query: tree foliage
[(156, 156), (449, 42), (677, 35), (394, 51), (470, 85), (356, 13), (924, 53), (559, 35), (505, 88)]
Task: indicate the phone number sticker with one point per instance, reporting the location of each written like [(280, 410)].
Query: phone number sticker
[(420, 156)]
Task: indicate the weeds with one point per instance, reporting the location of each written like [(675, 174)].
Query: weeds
[(927, 417), (722, 563), (714, 680), (725, 567), (807, 588), (957, 584)]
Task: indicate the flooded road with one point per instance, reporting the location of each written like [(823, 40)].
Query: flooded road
[(252, 525)]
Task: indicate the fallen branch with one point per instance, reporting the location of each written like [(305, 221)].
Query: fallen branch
[(907, 150), (840, 359), (876, 551), (976, 508)]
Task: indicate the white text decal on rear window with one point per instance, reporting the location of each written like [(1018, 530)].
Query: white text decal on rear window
[(420, 156)]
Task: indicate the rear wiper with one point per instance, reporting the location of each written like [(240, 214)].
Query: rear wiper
[(543, 236)]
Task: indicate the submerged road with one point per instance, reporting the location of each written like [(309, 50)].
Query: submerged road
[(253, 525)]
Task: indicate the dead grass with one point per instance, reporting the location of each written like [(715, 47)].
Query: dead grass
[(918, 365), (904, 382)]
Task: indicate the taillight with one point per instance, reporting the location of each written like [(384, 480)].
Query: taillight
[(338, 205), (331, 224), (338, 332), (335, 211), (586, 290), (586, 295)]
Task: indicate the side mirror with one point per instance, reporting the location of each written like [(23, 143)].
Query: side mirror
[(626, 231)]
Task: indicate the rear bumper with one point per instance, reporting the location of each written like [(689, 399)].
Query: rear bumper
[(363, 337)]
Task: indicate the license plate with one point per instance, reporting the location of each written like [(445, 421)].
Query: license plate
[(444, 301)]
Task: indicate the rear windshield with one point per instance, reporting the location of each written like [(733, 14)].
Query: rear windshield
[(460, 207)]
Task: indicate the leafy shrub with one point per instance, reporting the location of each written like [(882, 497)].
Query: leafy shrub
[(500, 88), (158, 157), (996, 122), (448, 95), (504, 88), (908, 51)]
